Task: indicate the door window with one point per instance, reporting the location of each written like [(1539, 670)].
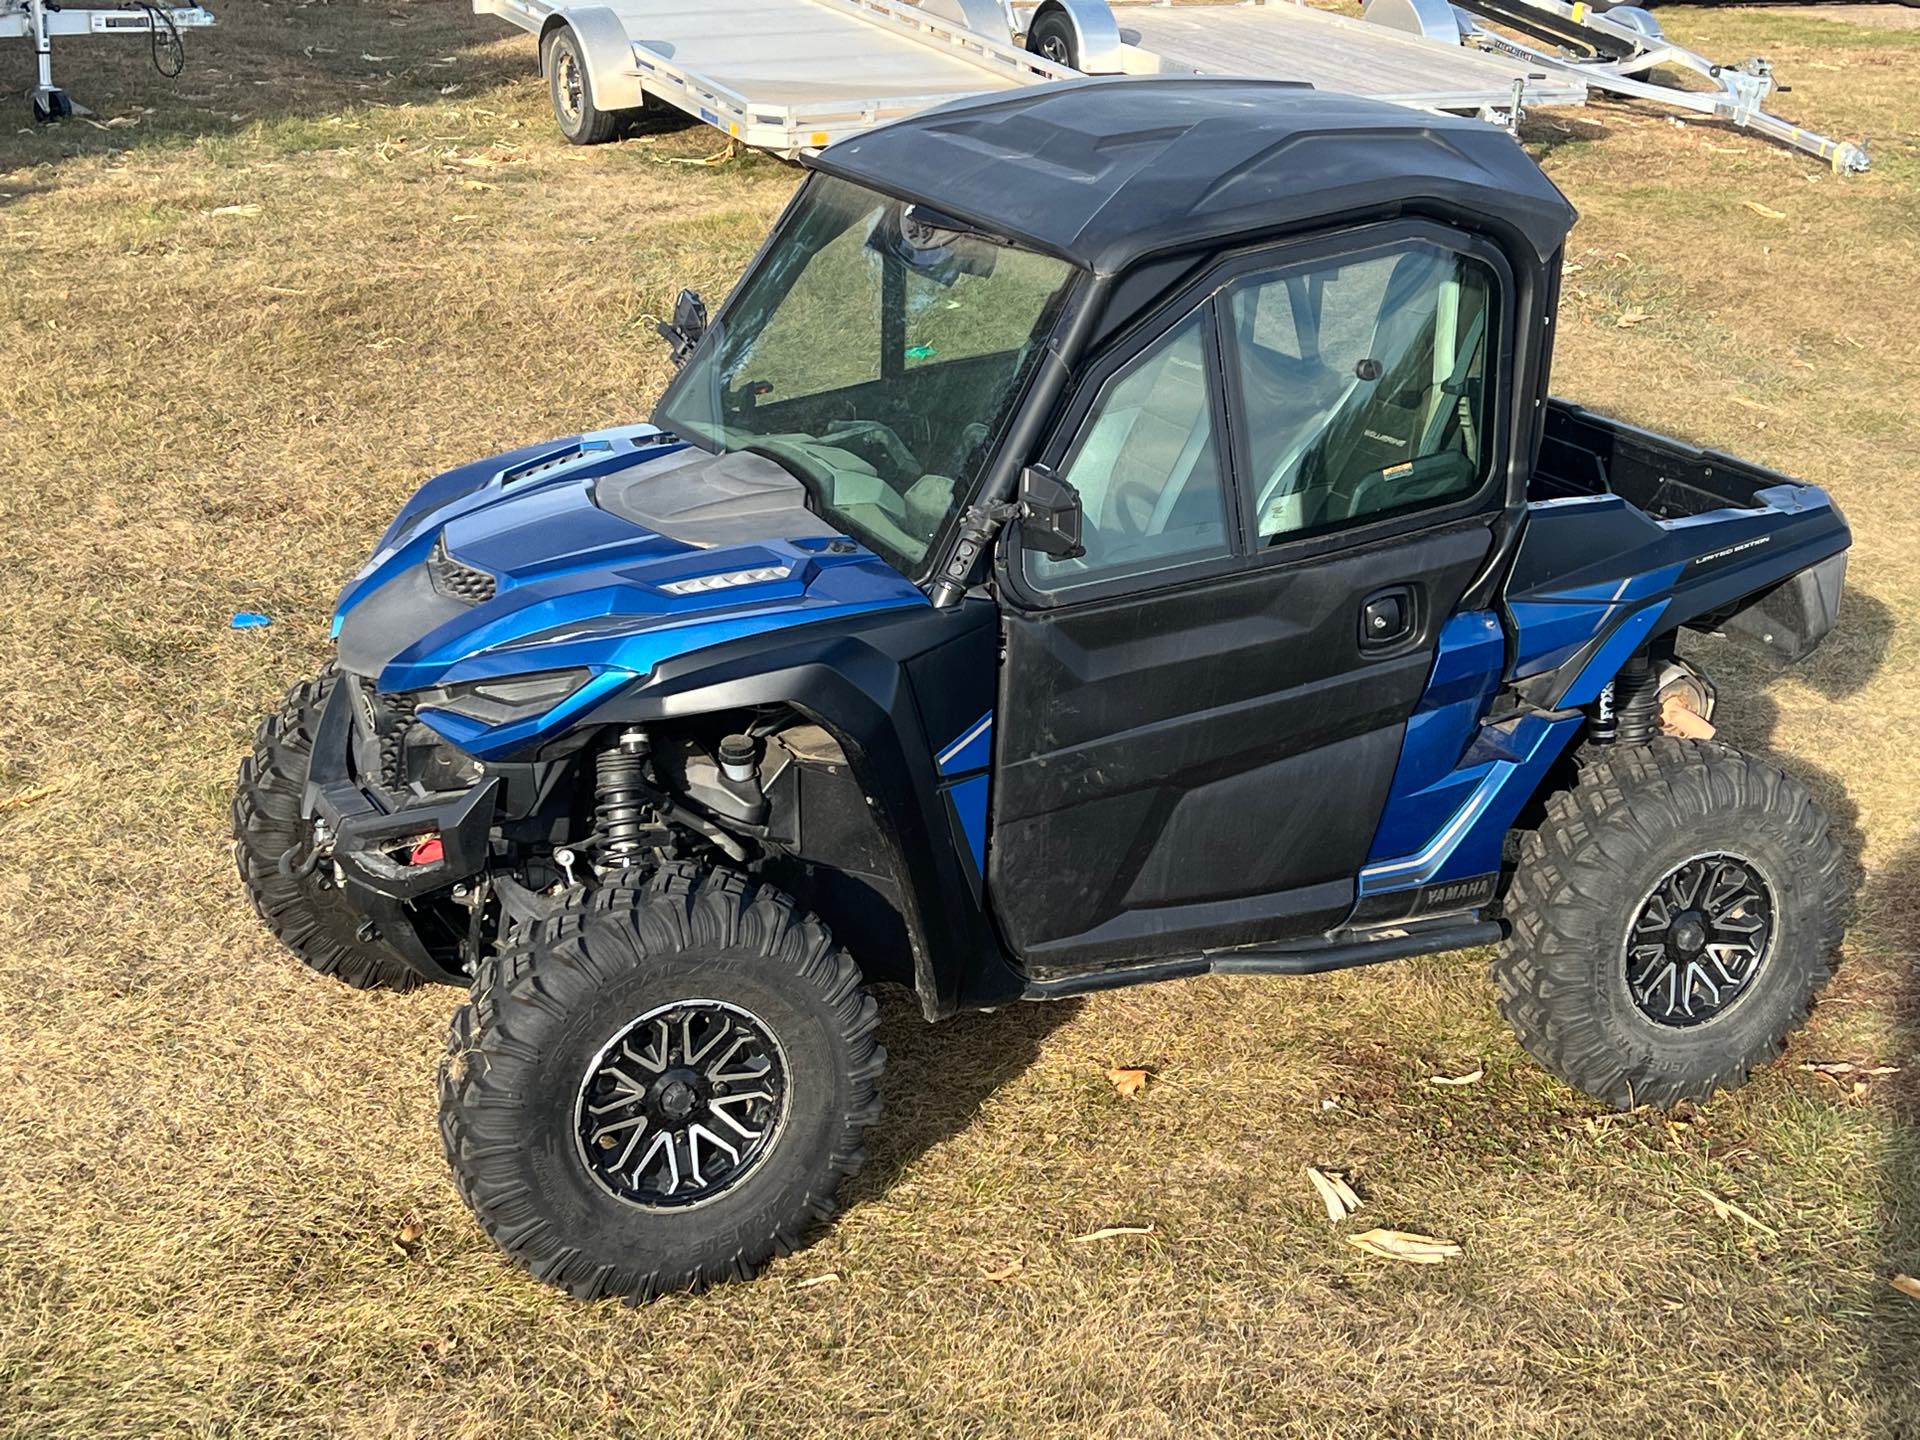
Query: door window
[(1147, 468), (1366, 385)]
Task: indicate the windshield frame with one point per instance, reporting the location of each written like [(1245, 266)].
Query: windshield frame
[(1054, 319)]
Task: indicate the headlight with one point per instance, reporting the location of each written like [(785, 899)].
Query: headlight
[(504, 700)]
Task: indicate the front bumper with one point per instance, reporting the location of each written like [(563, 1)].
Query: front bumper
[(373, 840)]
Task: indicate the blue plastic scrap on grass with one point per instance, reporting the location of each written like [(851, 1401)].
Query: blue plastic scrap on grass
[(250, 620)]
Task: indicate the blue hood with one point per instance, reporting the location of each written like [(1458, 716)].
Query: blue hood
[(539, 560)]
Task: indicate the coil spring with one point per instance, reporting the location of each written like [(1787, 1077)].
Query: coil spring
[(1636, 702), (621, 815)]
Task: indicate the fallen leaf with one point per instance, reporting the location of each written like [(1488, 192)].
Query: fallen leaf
[(1907, 1286), (28, 797), (1404, 1245), (1630, 317), (832, 1277), (247, 211), (377, 59), (407, 1238), (1727, 1210), (475, 185), (1334, 1194), (439, 1349), (1128, 1080), (1109, 1233), (1472, 1077), (1766, 212), (1004, 1272)]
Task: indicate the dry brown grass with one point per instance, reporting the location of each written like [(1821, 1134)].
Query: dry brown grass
[(205, 1154)]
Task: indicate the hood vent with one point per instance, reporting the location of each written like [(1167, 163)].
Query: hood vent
[(545, 465), (457, 581)]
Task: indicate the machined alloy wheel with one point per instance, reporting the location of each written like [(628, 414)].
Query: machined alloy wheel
[(682, 1103), (1698, 940)]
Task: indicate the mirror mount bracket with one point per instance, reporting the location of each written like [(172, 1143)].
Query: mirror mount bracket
[(689, 323)]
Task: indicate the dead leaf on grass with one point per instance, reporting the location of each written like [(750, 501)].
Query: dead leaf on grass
[(1907, 1286), (1003, 1272), (475, 185), (1766, 212), (407, 1238), (1110, 1232), (1334, 1193), (832, 1277), (246, 212), (1128, 1080), (1407, 1246), (1472, 1077), (1630, 317), (28, 797), (1727, 1210)]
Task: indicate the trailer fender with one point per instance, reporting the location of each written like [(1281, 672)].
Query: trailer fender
[(1096, 34), (608, 53), (1429, 19)]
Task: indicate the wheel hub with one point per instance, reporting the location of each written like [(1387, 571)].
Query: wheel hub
[(681, 1104), (1698, 940)]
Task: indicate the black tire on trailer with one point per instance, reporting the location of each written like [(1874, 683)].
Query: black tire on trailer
[(1052, 37), (1671, 920), (662, 1088), (565, 66), (296, 896)]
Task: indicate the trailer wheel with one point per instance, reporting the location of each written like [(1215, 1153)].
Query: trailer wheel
[(1673, 917), (1052, 37), (581, 121), (661, 1088)]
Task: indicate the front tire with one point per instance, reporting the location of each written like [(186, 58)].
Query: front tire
[(663, 1088), (291, 888), (1672, 919)]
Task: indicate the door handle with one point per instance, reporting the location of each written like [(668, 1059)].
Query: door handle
[(1387, 618)]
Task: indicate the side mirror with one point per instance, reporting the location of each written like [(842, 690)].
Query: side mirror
[(689, 323), (1049, 514)]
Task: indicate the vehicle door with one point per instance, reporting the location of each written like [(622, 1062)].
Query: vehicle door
[(1288, 478)]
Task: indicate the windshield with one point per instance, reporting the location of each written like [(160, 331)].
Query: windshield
[(874, 352)]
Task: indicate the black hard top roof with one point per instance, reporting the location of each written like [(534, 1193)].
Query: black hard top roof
[(1106, 171)]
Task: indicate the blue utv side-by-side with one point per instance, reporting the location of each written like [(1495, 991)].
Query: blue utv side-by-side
[(1113, 532)]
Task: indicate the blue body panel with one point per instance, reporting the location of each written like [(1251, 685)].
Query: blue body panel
[(1595, 578), (969, 754), (579, 588)]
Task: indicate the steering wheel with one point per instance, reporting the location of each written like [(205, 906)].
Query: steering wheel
[(879, 436)]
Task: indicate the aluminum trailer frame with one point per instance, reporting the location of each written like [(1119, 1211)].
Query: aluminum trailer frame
[(41, 20), (1289, 40), (793, 75), (1615, 49)]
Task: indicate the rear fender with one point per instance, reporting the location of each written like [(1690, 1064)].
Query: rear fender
[(1096, 35)]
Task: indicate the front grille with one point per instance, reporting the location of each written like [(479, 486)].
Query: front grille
[(457, 581)]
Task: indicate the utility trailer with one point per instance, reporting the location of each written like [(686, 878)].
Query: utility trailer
[(1616, 49), (792, 76), (41, 20)]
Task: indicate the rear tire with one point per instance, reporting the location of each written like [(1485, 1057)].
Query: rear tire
[(1618, 974), (592, 1045), (580, 120), (273, 841)]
